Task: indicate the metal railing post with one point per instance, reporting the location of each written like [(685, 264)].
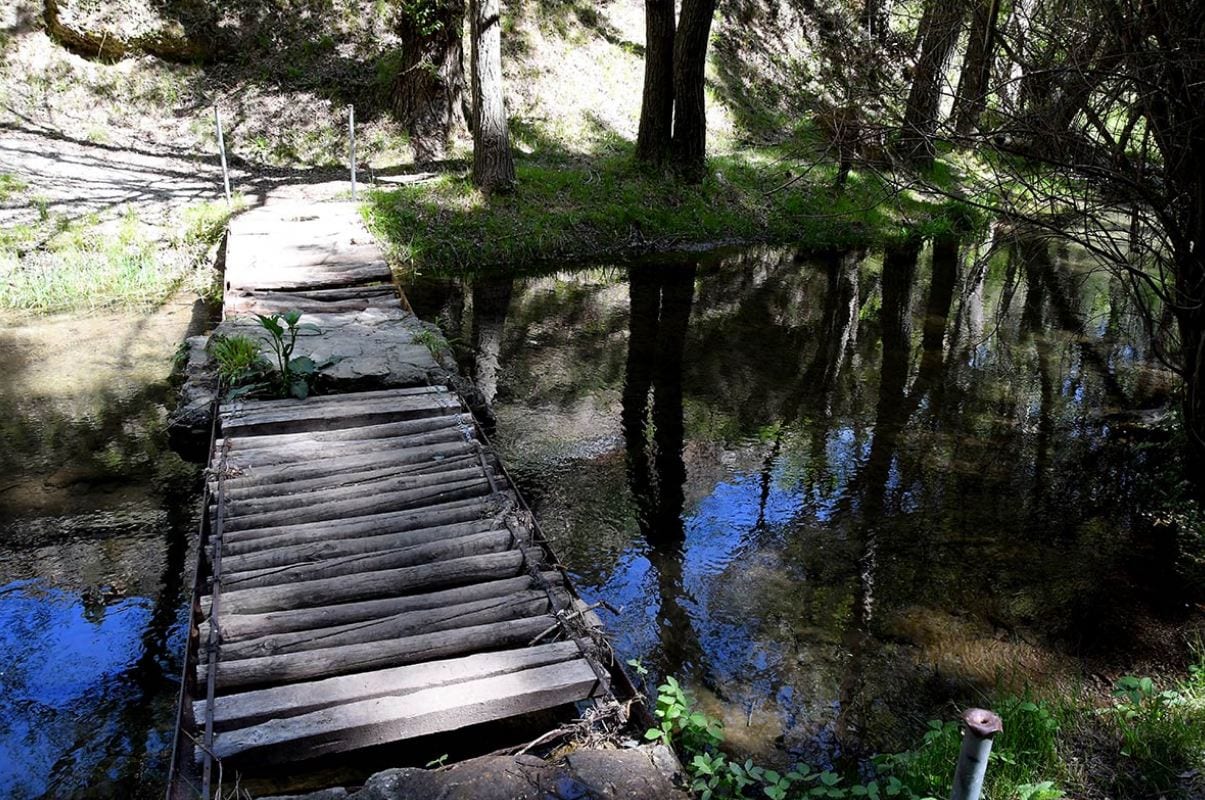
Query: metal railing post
[(351, 132), (978, 729), (217, 119)]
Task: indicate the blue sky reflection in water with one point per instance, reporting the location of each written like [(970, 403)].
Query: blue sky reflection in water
[(97, 518), (67, 656), (833, 492)]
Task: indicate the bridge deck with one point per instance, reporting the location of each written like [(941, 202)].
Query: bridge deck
[(373, 577)]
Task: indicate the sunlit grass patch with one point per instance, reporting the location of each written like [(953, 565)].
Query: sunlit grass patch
[(87, 267), (10, 186), (610, 206)]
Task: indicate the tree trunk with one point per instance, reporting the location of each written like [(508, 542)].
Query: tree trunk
[(657, 105), (937, 37), (491, 302), (876, 16), (690, 62), (428, 90), (976, 67), (1190, 319), (493, 165), (1017, 34)]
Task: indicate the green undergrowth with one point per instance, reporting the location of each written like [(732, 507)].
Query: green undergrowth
[(1153, 743), (609, 206), (54, 264)]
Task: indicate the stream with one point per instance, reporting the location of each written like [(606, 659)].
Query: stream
[(97, 525), (832, 493)]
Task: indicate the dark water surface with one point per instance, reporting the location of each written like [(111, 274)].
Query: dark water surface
[(832, 492), (97, 521)]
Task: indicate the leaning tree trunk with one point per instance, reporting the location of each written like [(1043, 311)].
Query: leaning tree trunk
[(493, 166), (657, 104), (937, 37), (690, 113), (971, 99), (428, 90)]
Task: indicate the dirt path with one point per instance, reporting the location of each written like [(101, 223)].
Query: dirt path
[(71, 178)]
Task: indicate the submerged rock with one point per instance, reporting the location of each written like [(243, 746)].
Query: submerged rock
[(189, 423)]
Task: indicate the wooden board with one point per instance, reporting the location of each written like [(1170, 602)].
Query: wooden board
[(431, 710), (292, 700), (378, 582)]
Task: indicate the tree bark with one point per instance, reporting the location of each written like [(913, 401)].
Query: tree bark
[(976, 67), (428, 91), (937, 38), (657, 104), (690, 62), (876, 16), (493, 165)]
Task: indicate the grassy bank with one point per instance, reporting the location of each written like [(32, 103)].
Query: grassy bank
[(611, 207), (54, 264), (1146, 741)]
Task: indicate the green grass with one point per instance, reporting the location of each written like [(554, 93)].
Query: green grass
[(1148, 742), (53, 265), (10, 186), (1024, 756), (87, 267), (1162, 731), (608, 206)]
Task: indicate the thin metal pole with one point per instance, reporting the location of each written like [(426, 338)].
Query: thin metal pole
[(351, 131), (217, 118), (979, 726)]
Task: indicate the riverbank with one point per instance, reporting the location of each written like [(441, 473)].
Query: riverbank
[(607, 206)]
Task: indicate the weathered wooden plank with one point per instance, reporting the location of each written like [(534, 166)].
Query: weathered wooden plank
[(372, 585), (255, 405), (266, 538), (341, 455), (273, 483), (412, 623), (337, 548), (241, 627), (321, 301), (375, 655), (291, 700), (381, 485), (382, 431), (276, 267), (238, 627), (247, 422), (376, 721), (382, 488), (398, 501), (429, 553)]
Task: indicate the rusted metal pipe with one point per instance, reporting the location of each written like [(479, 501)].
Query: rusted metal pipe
[(978, 729)]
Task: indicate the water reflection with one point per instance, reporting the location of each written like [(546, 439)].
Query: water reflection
[(832, 491), (96, 518)]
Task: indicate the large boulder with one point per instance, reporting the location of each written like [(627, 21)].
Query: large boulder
[(175, 30), (588, 774)]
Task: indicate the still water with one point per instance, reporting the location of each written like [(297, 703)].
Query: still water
[(834, 493), (97, 518)]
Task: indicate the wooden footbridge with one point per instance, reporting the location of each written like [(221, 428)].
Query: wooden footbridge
[(368, 573)]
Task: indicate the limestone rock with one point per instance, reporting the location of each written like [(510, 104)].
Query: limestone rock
[(174, 31), (598, 774)]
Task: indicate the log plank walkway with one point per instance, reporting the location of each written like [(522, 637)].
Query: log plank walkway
[(373, 574)]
